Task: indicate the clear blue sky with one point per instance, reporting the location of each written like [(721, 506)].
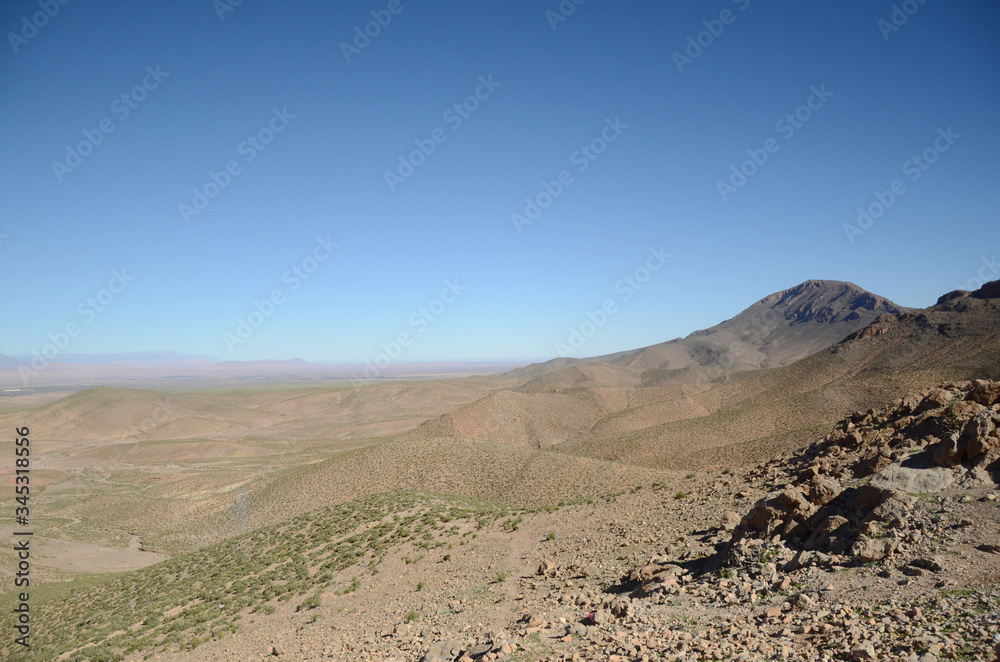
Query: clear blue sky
[(680, 130)]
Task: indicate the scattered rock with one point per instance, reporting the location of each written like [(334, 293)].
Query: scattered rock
[(443, 651), (936, 399), (867, 550), (928, 563), (730, 520), (863, 652), (832, 530)]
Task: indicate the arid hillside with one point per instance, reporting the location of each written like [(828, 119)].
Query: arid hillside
[(878, 541), (744, 416), (777, 330)]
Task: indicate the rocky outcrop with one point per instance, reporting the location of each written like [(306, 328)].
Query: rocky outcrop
[(855, 493)]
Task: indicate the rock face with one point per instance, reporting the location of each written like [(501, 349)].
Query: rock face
[(854, 493), (990, 290)]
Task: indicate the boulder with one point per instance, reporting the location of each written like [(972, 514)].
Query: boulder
[(480, 649), (985, 393), (914, 481), (978, 435), (645, 573), (873, 462), (866, 550), (869, 496), (443, 651), (784, 514), (825, 535), (948, 451), (936, 399), (794, 502), (893, 511), (850, 441), (823, 490), (730, 520), (932, 563), (863, 652)]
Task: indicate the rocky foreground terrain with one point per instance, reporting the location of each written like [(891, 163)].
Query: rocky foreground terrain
[(879, 542)]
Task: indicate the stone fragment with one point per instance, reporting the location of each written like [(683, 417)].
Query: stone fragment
[(867, 550), (863, 652), (830, 528)]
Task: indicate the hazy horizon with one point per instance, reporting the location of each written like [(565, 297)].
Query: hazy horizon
[(166, 356)]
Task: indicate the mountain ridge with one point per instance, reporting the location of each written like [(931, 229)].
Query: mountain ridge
[(769, 333)]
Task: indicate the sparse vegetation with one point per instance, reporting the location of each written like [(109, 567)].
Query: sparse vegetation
[(513, 524), (251, 572)]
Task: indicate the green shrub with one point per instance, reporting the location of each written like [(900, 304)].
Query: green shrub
[(311, 603)]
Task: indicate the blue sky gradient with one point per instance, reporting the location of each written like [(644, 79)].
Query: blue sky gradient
[(445, 238)]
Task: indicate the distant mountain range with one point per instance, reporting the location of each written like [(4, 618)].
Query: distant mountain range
[(777, 330), (733, 391), (135, 358)]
